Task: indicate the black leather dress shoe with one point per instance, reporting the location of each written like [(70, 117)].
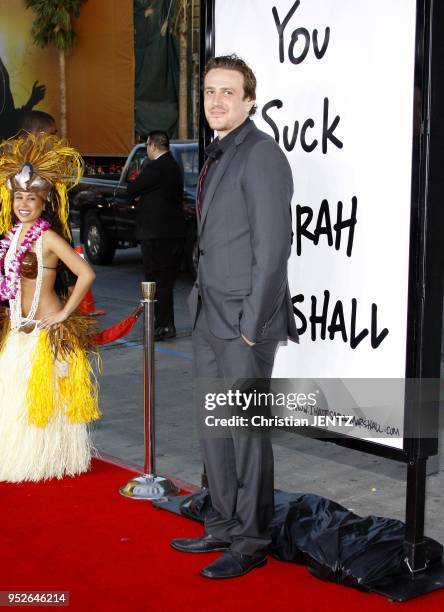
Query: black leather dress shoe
[(163, 333), (206, 543), (231, 565)]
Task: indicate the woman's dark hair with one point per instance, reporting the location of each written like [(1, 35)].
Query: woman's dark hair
[(50, 215), (36, 122)]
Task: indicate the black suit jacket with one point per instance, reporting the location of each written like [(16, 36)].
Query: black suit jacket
[(159, 211)]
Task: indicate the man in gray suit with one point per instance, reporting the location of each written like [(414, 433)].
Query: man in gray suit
[(240, 305)]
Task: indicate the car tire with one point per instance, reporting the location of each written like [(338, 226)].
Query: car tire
[(99, 248)]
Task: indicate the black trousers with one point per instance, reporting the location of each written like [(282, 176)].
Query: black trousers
[(161, 259), (240, 467)]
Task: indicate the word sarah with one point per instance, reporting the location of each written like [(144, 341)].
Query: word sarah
[(335, 323), (307, 145), (304, 216), (296, 34)]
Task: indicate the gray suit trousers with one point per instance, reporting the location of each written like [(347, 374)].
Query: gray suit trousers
[(239, 467)]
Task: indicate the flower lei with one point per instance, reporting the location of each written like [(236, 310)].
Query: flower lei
[(9, 279)]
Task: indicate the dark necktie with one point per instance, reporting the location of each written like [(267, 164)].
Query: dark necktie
[(202, 177)]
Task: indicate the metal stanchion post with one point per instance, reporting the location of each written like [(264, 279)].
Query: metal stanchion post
[(148, 485)]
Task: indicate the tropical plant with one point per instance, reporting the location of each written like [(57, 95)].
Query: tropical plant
[(53, 27)]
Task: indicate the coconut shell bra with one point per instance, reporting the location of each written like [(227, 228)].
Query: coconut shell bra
[(29, 266)]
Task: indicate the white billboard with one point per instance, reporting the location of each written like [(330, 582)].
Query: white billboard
[(336, 89)]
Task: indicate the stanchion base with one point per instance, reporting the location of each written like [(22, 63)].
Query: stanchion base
[(405, 587), (149, 487)]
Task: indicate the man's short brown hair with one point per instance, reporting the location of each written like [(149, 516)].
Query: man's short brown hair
[(233, 62)]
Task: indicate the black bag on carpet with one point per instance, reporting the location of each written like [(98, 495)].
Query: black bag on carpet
[(333, 542), (196, 506)]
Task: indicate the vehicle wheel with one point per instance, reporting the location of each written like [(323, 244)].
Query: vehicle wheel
[(98, 246)]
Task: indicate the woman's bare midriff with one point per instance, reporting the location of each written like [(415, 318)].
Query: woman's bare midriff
[(49, 300)]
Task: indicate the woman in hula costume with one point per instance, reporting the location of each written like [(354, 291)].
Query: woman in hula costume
[(48, 391)]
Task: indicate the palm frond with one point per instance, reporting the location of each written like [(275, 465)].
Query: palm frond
[(53, 22)]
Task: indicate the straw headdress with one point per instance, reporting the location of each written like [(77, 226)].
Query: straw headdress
[(43, 164)]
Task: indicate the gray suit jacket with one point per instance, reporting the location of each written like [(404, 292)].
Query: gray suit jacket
[(245, 241)]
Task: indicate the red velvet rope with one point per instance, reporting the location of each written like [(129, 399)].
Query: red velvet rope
[(113, 333)]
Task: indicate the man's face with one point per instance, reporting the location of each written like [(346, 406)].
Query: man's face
[(224, 102)]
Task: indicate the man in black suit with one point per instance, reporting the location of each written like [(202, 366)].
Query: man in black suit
[(160, 226)]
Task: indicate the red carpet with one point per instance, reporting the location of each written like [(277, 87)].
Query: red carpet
[(111, 553)]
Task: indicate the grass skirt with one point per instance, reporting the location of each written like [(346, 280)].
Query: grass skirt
[(29, 452)]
